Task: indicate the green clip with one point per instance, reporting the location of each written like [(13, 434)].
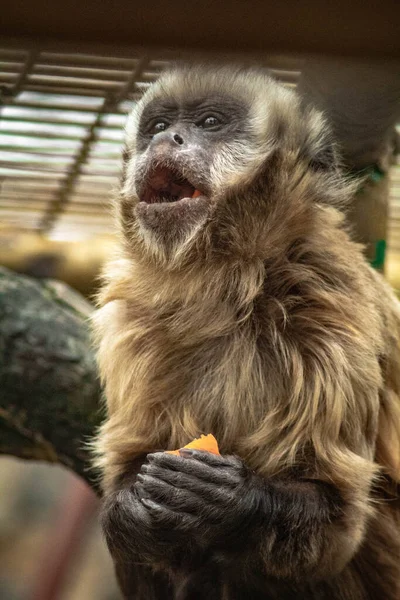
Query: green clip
[(380, 252), (368, 174), (376, 174)]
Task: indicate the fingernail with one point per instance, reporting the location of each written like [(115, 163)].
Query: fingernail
[(186, 452), (140, 477)]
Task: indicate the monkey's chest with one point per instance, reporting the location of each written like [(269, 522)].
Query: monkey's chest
[(225, 387)]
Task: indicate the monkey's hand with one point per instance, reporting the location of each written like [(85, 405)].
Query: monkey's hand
[(129, 529), (213, 499)]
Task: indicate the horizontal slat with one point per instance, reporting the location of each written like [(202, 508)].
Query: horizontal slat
[(22, 185), (29, 127), (8, 78), (47, 116), (43, 152), (23, 205), (10, 66), (13, 54), (29, 214), (56, 100), (72, 82), (56, 152), (53, 106), (19, 173), (30, 158), (61, 89), (285, 76), (117, 75), (33, 166), (79, 218), (92, 60)]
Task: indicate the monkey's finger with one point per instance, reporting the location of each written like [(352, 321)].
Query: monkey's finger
[(173, 483), (167, 517), (168, 495), (181, 517), (189, 504), (220, 476), (214, 460)]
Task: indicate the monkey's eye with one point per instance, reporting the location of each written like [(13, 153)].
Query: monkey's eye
[(210, 122), (158, 127)]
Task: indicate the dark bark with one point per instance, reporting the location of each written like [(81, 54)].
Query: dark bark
[(49, 388)]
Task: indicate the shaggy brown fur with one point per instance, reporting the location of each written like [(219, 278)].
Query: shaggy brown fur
[(265, 326)]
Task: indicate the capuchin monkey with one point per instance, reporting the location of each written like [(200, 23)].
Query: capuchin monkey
[(238, 305)]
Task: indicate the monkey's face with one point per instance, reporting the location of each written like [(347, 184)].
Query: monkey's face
[(195, 144), (181, 142)]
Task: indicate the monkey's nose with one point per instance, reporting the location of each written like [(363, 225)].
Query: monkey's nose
[(169, 138), (178, 139)]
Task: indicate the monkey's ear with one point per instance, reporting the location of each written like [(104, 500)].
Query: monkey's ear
[(320, 148), (325, 158)]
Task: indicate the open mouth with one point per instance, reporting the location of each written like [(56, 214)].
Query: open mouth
[(171, 205), (165, 185)]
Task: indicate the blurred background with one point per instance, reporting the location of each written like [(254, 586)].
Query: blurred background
[(61, 130), (62, 119), (62, 116)]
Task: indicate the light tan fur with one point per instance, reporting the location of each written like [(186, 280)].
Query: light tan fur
[(265, 327)]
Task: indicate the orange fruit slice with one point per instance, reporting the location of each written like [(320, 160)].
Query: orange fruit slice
[(208, 443)]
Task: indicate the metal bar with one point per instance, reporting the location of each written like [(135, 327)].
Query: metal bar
[(19, 206), (25, 72), (93, 59), (81, 72), (60, 121), (60, 107), (40, 204), (74, 172), (63, 90), (13, 54), (53, 136), (34, 166), (6, 77), (52, 151), (10, 91), (73, 82)]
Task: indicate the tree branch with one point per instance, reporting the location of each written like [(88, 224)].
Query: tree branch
[(49, 389)]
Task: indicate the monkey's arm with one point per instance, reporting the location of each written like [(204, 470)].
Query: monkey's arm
[(292, 527)]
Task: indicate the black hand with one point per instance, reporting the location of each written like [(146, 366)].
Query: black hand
[(212, 498), (131, 532)]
